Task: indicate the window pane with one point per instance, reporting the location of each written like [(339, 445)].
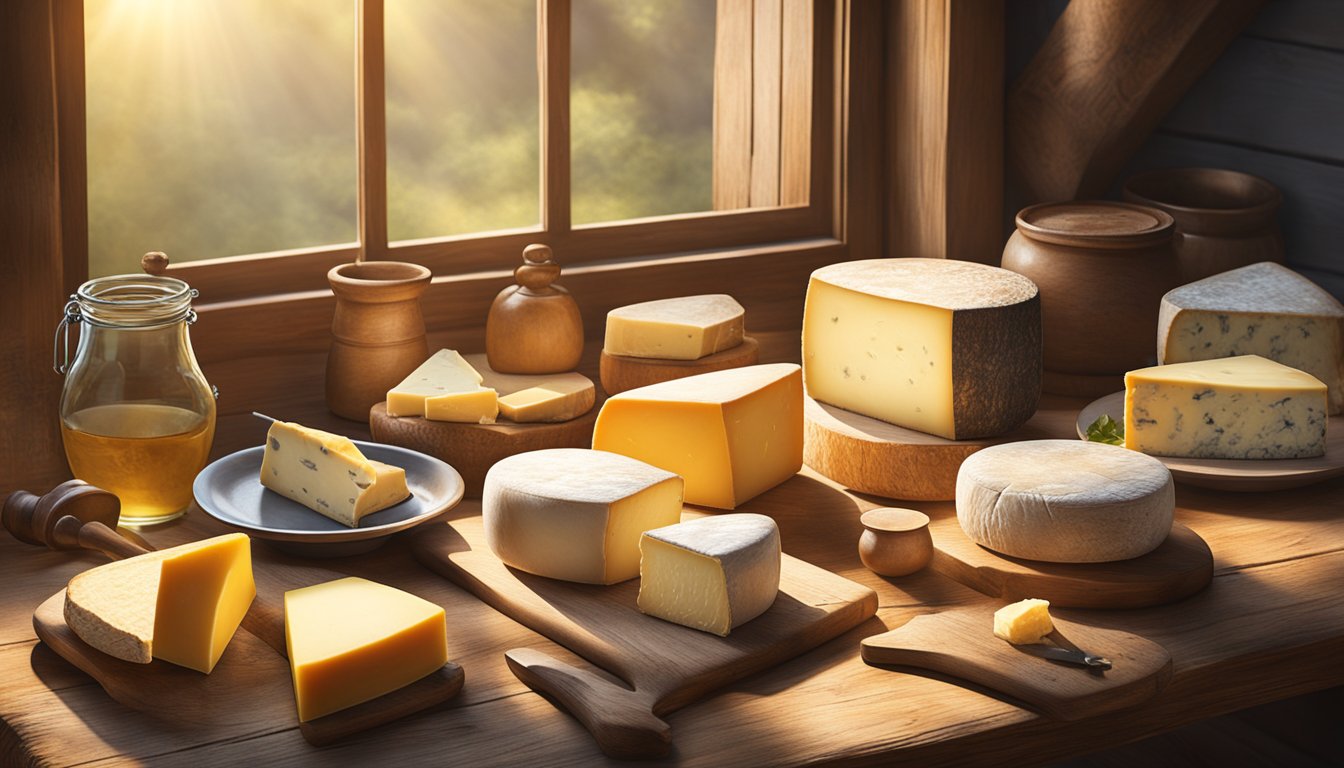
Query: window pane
[(642, 108), (218, 127), (463, 132)]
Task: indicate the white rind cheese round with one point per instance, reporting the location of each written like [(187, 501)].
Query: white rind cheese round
[(575, 514), (1065, 501)]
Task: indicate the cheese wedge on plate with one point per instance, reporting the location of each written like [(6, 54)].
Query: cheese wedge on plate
[(328, 474), (444, 388), (181, 605), (526, 399), (1230, 408), (731, 434), (684, 328), (1263, 309)]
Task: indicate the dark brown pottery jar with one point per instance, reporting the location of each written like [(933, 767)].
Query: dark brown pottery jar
[(1102, 268), (1224, 219)]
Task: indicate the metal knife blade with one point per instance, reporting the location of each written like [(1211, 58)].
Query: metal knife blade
[(1081, 658)]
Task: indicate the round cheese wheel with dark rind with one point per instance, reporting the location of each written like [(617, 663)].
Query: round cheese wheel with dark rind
[(1065, 501)]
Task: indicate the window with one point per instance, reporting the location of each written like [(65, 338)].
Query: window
[(606, 128)]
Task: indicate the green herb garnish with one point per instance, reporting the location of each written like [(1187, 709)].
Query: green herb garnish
[(1106, 430)]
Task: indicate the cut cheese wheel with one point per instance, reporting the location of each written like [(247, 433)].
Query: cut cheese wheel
[(444, 388), (1026, 621), (575, 514), (353, 640), (181, 605), (946, 347), (1231, 408), (684, 328), (712, 574), (731, 434), (1263, 309), (551, 397), (1065, 501), (328, 474)]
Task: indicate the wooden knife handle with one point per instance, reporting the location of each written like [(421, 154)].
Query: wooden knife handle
[(621, 720)]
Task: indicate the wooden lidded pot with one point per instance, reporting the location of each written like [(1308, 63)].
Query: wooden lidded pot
[(895, 542), (1224, 219), (378, 333), (534, 327), (1102, 268)]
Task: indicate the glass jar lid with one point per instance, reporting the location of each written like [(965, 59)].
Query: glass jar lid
[(135, 301)]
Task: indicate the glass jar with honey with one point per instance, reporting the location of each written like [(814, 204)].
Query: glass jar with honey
[(137, 416)]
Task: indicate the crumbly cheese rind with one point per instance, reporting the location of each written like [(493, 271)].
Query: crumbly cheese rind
[(1065, 501), (1244, 407), (1262, 309)]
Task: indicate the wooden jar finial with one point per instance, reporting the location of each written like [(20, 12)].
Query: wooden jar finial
[(534, 326), (154, 263)]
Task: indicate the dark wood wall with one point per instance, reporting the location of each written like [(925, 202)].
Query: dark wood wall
[(1272, 105)]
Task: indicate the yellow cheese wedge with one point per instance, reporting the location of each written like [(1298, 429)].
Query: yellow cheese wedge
[(684, 328), (1026, 621), (444, 388), (731, 434), (352, 640), (547, 397), (180, 605), (328, 474)]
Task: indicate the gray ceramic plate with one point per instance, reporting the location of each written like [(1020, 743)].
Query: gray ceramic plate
[(230, 491)]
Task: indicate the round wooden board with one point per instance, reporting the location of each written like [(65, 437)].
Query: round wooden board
[(1181, 566), (1234, 474), (872, 456), (473, 448), (619, 373)]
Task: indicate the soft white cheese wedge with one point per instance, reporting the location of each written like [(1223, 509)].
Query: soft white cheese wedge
[(683, 328)]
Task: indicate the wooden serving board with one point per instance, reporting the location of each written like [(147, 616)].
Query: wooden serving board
[(666, 666), (473, 448), (872, 456), (250, 678), (1181, 566), (960, 643), (619, 373)]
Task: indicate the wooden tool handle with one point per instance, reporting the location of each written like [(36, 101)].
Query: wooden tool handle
[(621, 720), (97, 536)]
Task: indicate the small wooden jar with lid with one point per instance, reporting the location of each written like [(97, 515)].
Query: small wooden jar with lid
[(534, 327), (895, 542)]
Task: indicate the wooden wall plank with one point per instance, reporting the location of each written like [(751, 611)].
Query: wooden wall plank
[(1307, 22), (553, 41), (732, 105), (975, 132), (860, 190), (371, 135), (795, 121), (1269, 95), (766, 61)]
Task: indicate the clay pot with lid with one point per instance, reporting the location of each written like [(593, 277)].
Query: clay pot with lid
[(1102, 268), (1224, 219)]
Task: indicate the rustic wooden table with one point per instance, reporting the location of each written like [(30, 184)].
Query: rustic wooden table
[(1270, 626)]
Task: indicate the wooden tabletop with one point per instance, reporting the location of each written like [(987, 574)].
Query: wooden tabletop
[(1270, 626)]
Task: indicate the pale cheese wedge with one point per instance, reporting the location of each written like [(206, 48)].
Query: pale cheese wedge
[(549, 397), (444, 388), (328, 474), (683, 328)]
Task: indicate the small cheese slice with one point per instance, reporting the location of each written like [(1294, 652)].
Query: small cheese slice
[(946, 347), (684, 328), (732, 434), (1263, 309), (444, 388), (713, 573), (181, 605), (547, 397), (1065, 501), (1026, 621), (1230, 408), (353, 640), (575, 514), (328, 474)]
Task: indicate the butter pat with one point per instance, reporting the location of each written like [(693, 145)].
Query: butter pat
[(353, 640), (181, 605), (1263, 309), (575, 514), (526, 399), (685, 328), (730, 434), (328, 474), (1231, 408), (444, 388), (946, 347), (1026, 621), (712, 574)]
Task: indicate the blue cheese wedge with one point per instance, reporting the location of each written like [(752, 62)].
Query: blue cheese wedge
[(1262, 309), (328, 474), (1234, 408), (712, 574)]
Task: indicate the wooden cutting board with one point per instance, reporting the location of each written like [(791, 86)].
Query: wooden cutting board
[(960, 643), (666, 666), (1181, 566)]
